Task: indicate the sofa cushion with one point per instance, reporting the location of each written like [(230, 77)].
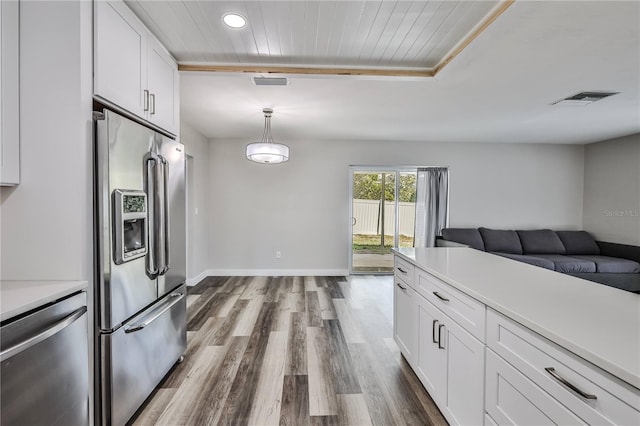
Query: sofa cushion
[(468, 236), (612, 264), (531, 260), (501, 241), (543, 241), (578, 242), (569, 264)]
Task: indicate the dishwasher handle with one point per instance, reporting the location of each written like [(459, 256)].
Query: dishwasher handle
[(43, 335), (157, 313)]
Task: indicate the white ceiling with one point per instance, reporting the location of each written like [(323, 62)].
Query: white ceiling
[(499, 89), (398, 34)]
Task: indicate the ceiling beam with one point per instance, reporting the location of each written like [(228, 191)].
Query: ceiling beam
[(473, 35), (268, 69)]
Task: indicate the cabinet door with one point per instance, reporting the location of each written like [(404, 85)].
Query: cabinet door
[(404, 322), (512, 399), (464, 402), (431, 357), (161, 83), (120, 57), (9, 89)]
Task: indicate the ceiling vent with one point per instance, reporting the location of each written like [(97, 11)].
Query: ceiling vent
[(584, 98), (270, 81)]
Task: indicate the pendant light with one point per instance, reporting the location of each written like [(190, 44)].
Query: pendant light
[(266, 151)]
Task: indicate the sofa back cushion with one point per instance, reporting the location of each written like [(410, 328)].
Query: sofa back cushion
[(541, 241), (468, 236), (578, 242), (501, 241)]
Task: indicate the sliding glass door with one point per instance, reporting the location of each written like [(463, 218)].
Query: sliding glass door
[(382, 216)]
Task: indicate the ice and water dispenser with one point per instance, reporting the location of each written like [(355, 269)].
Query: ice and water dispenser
[(130, 225)]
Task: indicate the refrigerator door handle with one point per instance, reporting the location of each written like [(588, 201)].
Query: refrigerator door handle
[(156, 313), (160, 206), (151, 186), (43, 335), (165, 241)]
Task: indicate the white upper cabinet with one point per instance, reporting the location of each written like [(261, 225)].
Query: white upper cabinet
[(120, 63), (132, 70), (162, 84), (9, 93)]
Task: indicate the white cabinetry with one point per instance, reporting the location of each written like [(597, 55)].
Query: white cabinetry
[(431, 358), (120, 63), (448, 360), (404, 311), (450, 364), (404, 318), (553, 382), (480, 364), (9, 93), (132, 70), (163, 86), (512, 399)]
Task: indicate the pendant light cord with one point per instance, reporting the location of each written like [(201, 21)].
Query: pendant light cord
[(266, 136)]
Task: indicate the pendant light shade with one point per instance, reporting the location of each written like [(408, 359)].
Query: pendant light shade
[(266, 151)]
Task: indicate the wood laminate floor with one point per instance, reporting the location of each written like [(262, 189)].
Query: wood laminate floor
[(290, 351)]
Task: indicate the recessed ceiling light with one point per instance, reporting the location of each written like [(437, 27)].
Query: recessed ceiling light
[(234, 20)]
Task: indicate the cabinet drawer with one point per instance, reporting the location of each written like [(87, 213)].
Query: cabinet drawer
[(512, 399), (465, 310), (404, 270), (616, 402)]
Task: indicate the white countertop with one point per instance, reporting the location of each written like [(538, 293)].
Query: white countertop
[(596, 322), (17, 297)]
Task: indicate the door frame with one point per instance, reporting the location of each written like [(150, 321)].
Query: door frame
[(397, 170), (189, 221)]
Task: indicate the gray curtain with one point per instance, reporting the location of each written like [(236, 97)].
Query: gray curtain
[(432, 189)]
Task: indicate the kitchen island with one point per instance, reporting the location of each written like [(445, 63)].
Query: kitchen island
[(495, 322)]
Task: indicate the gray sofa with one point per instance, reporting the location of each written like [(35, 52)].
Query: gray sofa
[(571, 252)]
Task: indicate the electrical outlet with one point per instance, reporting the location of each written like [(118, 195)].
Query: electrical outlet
[(278, 255)]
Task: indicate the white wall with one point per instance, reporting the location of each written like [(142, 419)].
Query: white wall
[(612, 190), (46, 220), (301, 207), (46, 228), (197, 147)]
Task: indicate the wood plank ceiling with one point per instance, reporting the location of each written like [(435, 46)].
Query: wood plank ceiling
[(346, 37)]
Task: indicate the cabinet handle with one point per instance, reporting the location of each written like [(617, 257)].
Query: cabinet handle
[(43, 335), (552, 372), (444, 299), (146, 100), (433, 331), (440, 327), (401, 270), (403, 288), (153, 103)]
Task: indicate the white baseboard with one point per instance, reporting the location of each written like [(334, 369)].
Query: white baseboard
[(195, 280), (277, 272)]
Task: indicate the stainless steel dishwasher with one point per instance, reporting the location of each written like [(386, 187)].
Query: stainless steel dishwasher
[(44, 365)]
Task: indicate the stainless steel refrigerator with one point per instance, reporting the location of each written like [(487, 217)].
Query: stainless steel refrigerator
[(140, 263)]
